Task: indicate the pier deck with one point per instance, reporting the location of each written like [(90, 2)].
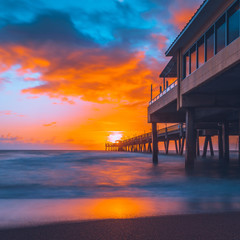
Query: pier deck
[(176, 134)]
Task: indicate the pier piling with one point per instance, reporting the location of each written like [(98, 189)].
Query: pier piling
[(154, 143), (190, 154), (225, 133)]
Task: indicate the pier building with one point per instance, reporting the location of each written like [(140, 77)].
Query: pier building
[(200, 93), (205, 60)]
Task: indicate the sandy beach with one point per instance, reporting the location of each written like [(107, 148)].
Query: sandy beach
[(222, 226)]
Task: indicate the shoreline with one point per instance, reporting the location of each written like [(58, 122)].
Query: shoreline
[(190, 226)]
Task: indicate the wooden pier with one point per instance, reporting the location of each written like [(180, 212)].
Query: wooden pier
[(177, 135), (143, 143)]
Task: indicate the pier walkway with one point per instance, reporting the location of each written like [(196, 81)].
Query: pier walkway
[(177, 135), (143, 143)]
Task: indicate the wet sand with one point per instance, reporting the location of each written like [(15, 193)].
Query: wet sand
[(222, 226)]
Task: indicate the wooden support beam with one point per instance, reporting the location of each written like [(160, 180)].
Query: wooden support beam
[(211, 146), (154, 143), (179, 145), (205, 146), (190, 153), (166, 142), (198, 145), (149, 147), (225, 133), (176, 146), (182, 145), (166, 145)]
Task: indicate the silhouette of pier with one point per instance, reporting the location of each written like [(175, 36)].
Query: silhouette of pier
[(143, 143), (177, 135)]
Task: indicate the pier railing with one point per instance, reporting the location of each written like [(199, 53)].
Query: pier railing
[(162, 93)]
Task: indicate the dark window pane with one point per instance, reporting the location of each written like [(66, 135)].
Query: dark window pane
[(233, 22), (201, 54), (210, 43), (186, 64), (193, 53), (220, 34)]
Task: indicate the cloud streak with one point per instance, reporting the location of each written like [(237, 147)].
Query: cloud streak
[(50, 124)]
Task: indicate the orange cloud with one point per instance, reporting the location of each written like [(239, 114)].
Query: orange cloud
[(10, 113), (50, 124), (119, 79), (90, 74), (8, 138), (182, 12), (160, 40)]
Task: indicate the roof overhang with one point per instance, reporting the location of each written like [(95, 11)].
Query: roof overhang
[(170, 71), (201, 17)]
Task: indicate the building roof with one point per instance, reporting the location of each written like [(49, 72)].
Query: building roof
[(170, 71), (201, 16)]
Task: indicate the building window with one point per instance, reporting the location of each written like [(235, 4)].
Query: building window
[(201, 54), (186, 63), (233, 22), (210, 43), (220, 34), (225, 30), (193, 59)]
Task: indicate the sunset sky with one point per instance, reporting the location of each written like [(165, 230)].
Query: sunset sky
[(74, 72)]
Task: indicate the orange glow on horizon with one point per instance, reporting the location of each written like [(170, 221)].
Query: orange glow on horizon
[(116, 92)]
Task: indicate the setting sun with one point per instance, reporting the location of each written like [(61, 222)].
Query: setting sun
[(115, 136)]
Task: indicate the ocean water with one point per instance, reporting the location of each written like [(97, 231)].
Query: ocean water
[(50, 186)]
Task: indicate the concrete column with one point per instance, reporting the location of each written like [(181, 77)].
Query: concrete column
[(154, 143), (190, 154), (220, 144), (225, 133)]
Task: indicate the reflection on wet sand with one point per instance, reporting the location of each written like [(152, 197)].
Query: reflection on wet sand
[(28, 212), (42, 211)]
